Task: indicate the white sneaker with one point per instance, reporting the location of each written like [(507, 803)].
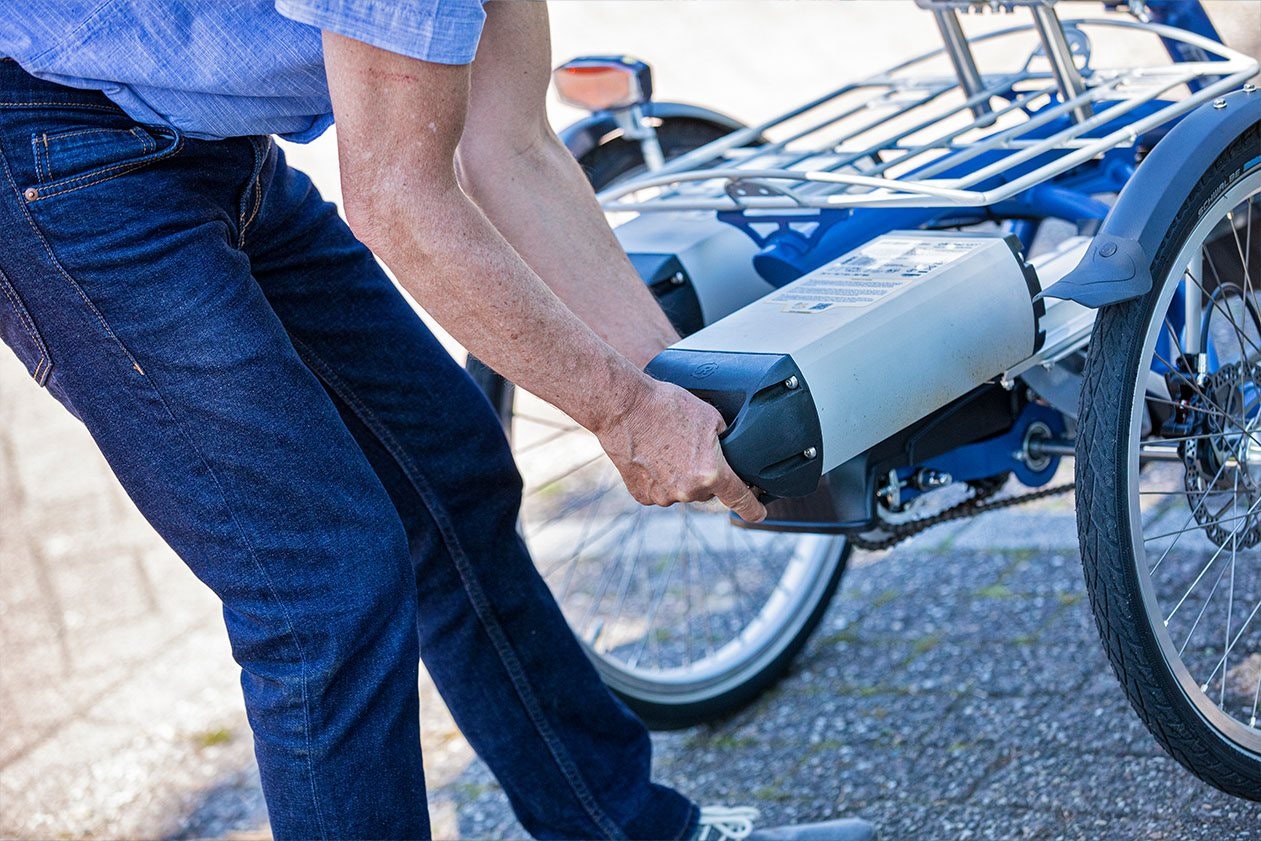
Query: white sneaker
[(726, 823), (735, 823)]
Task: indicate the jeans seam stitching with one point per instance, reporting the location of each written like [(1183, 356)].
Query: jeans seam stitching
[(101, 171), (91, 179), (39, 173), (503, 647), (256, 185), (58, 105), (262, 570), (81, 131), (27, 324), (61, 270), (85, 185), (149, 144)]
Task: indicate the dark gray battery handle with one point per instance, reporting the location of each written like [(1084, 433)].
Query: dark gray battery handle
[(773, 439)]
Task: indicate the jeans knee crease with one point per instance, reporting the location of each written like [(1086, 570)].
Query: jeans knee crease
[(476, 595)]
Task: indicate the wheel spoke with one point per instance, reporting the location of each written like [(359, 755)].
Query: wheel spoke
[(731, 573), (564, 475), (1245, 516), (1205, 478), (1198, 527), (542, 442), (1244, 429), (585, 539), (1256, 696), (1230, 318), (1230, 603), (623, 591), (1243, 260), (572, 507), (1225, 654), (1247, 250), (606, 576), (1203, 609), (652, 611)]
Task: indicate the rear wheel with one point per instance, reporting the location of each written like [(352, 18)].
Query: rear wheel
[(685, 616), (1169, 481), (617, 158)]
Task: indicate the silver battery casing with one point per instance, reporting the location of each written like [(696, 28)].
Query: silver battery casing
[(717, 258), (878, 339)]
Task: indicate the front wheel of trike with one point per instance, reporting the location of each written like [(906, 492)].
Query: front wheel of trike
[(1169, 480)]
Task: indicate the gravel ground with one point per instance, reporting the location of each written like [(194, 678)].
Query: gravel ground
[(956, 688), (951, 693)]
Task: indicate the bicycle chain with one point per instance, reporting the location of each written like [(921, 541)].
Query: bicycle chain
[(970, 507)]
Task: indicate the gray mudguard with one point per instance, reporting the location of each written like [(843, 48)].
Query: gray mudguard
[(1117, 266)]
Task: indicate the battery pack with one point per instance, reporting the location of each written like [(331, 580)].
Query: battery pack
[(819, 371)]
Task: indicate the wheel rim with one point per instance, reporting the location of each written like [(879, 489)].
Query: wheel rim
[(1195, 506), (674, 605)]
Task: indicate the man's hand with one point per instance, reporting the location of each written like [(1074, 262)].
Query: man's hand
[(666, 448)]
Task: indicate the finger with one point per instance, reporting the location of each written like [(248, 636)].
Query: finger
[(640, 494), (736, 495)]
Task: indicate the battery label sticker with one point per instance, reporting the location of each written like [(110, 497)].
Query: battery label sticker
[(871, 273)]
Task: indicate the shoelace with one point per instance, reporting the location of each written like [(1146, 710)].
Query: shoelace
[(726, 823)]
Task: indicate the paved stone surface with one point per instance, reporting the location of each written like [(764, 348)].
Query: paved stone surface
[(955, 690)]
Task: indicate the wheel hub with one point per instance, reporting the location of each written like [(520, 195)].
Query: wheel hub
[(1223, 462)]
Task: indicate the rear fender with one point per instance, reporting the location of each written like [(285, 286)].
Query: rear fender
[(586, 134), (1117, 266)]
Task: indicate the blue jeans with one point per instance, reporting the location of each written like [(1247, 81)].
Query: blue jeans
[(285, 421)]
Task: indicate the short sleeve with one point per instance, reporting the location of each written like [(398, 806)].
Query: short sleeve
[(441, 31)]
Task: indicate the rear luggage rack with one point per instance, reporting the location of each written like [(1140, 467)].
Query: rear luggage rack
[(904, 138)]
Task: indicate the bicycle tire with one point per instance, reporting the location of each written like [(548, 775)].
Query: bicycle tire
[(1113, 570)]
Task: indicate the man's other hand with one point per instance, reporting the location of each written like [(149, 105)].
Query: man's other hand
[(666, 448)]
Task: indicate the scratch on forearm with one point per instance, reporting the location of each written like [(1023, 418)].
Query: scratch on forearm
[(391, 75)]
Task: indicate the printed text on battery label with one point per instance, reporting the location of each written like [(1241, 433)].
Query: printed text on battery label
[(869, 274)]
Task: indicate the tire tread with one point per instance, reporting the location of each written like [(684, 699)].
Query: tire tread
[(1102, 507)]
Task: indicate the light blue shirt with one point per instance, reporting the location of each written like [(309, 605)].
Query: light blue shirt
[(224, 68)]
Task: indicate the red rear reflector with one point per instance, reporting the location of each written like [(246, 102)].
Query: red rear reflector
[(596, 88)]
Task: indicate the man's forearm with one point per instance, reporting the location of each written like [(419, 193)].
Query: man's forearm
[(469, 278), (402, 198), (540, 200)]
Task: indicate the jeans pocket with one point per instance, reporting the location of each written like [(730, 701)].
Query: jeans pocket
[(66, 161), (18, 331)]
